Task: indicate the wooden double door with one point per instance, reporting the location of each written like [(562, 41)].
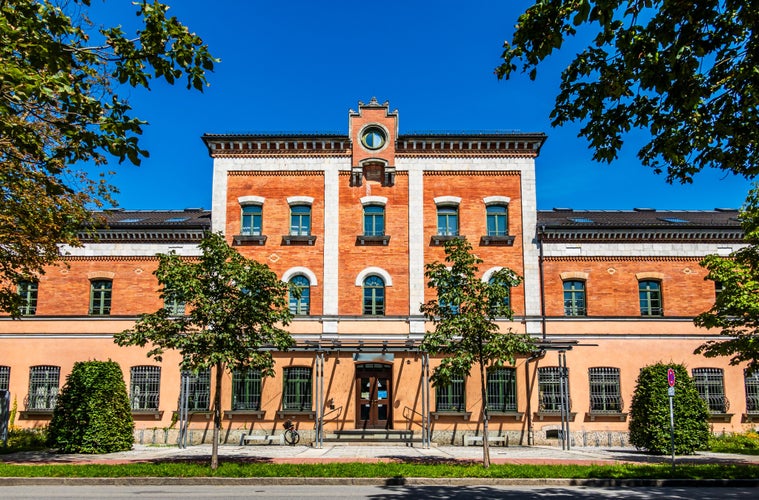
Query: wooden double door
[(374, 396)]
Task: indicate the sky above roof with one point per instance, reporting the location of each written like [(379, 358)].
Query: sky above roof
[(300, 66)]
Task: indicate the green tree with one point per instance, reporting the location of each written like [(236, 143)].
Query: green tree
[(684, 72), (466, 330), (61, 111), (235, 309), (649, 412), (92, 412), (736, 308)]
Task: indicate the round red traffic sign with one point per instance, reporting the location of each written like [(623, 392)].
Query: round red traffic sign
[(671, 377)]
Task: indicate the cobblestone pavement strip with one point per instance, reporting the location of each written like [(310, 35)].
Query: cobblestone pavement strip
[(353, 453)]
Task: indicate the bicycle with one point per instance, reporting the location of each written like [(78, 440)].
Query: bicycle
[(291, 435)]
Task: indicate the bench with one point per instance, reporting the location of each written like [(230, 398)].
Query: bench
[(470, 440), (246, 438)]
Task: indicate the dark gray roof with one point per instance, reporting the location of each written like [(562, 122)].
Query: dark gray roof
[(149, 226), (639, 224)]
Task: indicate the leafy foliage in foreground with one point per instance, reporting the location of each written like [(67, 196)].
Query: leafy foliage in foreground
[(92, 412), (386, 470), (649, 412), (682, 72), (63, 108), (25, 440)]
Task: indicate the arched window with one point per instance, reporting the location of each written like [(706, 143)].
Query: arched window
[(507, 298), (374, 296), (300, 295)]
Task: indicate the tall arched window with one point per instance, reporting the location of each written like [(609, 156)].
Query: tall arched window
[(300, 295), (374, 296)]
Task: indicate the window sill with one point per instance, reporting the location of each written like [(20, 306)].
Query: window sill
[(439, 240), (607, 415), (516, 415), (146, 414), (721, 417), (497, 241), (750, 417), (465, 415), (372, 240), (289, 239), (232, 414), (295, 414), (552, 415), (35, 414), (194, 413), (249, 239)]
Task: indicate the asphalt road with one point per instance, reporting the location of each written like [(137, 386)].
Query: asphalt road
[(372, 492)]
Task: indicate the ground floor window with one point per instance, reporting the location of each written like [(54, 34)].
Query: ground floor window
[(502, 389), (5, 377), (450, 397), (144, 387), (246, 390), (549, 388), (198, 389), (605, 390), (43, 387), (752, 391), (296, 393), (710, 384)]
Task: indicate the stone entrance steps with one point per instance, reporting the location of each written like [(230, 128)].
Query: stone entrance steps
[(372, 436)]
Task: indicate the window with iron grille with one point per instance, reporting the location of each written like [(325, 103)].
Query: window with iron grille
[(251, 220), (246, 390), (549, 388), (300, 220), (574, 298), (5, 378), (502, 389), (498, 220), (198, 390), (374, 220), (649, 293), (448, 221), (43, 387), (100, 297), (296, 394), (752, 391), (710, 384), (144, 387), (27, 290), (300, 303), (605, 390), (374, 296), (450, 397)]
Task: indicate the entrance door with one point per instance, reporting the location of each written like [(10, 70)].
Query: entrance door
[(373, 396)]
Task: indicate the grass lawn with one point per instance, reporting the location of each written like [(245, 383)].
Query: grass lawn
[(384, 470)]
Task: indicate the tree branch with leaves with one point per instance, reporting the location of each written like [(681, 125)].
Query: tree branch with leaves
[(236, 311), (466, 313)]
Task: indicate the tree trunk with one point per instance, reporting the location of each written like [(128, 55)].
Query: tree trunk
[(485, 416), (216, 418)]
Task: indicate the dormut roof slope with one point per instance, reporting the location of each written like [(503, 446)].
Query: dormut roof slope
[(639, 224), (188, 225)]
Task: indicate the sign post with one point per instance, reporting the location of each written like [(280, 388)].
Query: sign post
[(671, 394)]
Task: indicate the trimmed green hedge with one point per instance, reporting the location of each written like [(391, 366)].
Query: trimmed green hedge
[(92, 413), (649, 412)]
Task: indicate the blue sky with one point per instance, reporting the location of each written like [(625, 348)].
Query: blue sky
[(299, 66)]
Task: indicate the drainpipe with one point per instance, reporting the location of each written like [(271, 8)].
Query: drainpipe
[(530, 386), (541, 231)]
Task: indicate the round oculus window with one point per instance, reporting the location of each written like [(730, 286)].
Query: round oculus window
[(373, 138)]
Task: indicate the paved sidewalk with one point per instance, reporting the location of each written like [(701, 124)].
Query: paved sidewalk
[(381, 453)]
